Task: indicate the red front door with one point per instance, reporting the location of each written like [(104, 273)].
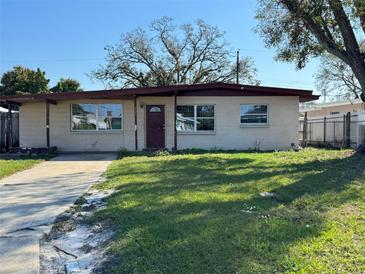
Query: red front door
[(155, 126)]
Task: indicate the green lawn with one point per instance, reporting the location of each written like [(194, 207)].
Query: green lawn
[(10, 166), (203, 213)]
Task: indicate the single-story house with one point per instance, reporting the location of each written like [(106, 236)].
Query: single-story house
[(332, 108), (215, 115)]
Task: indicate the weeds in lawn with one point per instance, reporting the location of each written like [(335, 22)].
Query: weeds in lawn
[(203, 213)]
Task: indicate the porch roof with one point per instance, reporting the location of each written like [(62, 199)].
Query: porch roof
[(210, 89)]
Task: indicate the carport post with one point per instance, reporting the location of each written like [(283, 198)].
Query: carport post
[(9, 132), (47, 123), (175, 120), (135, 122), (48, 102)]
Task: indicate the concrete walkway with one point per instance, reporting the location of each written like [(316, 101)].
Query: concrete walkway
[(30, 200)]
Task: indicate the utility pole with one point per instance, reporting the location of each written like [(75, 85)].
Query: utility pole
[(238, 67), (324, 96), (177, 67)]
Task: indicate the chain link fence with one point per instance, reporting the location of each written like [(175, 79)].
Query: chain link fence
[(337, 131)]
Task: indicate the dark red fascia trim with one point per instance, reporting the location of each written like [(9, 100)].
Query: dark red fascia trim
[(213, 89)]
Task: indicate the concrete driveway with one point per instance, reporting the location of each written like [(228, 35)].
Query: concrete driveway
[(31, 200)]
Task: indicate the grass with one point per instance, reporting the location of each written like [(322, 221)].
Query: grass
[(203, 213), (10, 166)]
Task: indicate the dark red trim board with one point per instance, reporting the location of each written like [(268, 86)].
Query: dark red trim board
[(211, 89)]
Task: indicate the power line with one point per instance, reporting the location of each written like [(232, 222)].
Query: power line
[(52, 60), (95, 59), (269, 81), (257, 50), (285, 81)]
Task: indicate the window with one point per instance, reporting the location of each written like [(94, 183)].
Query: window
[(96, 117), (155, 109), (110, 117), (191, 118), (254, 115), (205, 117), (84, 117)]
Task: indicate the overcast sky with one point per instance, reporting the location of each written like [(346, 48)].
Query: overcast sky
[(66, 38)]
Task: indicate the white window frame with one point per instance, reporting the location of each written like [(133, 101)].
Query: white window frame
[(255, 124), (196, 119), (97, 118)]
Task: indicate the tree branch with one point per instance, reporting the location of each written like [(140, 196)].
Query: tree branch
[(329, 44), (344, 24), (360, 12)]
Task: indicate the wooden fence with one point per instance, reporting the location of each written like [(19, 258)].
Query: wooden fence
[(5, 138), (338, 131)]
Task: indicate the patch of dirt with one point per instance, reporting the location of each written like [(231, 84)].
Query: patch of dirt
[(76, 245)]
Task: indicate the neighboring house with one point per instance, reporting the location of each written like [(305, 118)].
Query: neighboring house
[(5, 110), (333, 108), (336, 124), (216, 115), (2, 110)]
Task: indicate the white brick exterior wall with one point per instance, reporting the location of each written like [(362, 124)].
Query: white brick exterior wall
[(280, 133)]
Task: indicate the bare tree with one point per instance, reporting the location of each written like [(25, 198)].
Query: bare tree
[(301, 29), (191, 53), (336, 79)]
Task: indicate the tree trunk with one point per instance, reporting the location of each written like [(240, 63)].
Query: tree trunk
[(355, 57), (350, 53), (359, 70)]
